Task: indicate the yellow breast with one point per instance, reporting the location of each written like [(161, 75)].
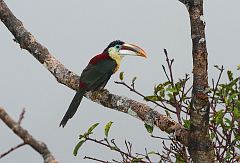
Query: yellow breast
[(117, 58)]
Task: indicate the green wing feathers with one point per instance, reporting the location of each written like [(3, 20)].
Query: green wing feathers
[(93, 77)]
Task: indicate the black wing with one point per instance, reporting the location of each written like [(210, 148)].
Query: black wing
[(97, 75)]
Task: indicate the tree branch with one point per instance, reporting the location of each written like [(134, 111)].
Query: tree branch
[(12, 149), (135, 91), (40, 147), (200, 147), (70, 79)]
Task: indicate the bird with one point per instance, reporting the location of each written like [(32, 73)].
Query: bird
[(99, 70)]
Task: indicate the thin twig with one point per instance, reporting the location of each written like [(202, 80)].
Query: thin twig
[(135, 91), (215, 88), (95, 159), (165, 72), (169, 63), (21, 116), (114, 147), (12, 149), (159, 137)]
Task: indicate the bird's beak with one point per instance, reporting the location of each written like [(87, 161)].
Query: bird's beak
[(133, 50)]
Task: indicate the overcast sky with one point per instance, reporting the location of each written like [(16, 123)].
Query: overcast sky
[(74, 31)]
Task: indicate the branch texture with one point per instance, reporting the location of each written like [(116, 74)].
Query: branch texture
[(70, 79), (39, 146), (200, 147)]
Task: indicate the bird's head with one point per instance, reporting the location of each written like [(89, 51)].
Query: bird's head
[(119, 49)]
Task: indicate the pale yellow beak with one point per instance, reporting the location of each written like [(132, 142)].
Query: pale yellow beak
[(132, 50)]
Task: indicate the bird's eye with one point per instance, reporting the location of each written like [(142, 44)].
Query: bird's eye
[(117, 46)]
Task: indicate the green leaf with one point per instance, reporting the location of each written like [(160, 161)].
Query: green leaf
[(151, 98), (161, 94), (121, 76), (162, 85), (237, 137), (172, 89), (107, 128), (149, 128), (136, 160), (238, 103), (114, 148), (218, 117), (236, 113), (228, 122), (77, 147), (212, 135), (230, 75), (179, 158), (178, 86), (187, 124), (233, 96), (232, 83), (92, 128), (228, 155), (151, 153), (170, 96), (166, 83)]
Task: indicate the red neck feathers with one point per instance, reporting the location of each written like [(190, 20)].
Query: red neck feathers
[(98, 58)]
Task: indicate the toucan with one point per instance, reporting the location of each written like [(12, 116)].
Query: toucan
[(99, 70)]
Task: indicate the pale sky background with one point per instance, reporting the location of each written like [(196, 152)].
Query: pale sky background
[(74, 31)]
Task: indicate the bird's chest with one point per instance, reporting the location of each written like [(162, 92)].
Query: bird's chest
[(117, 58)]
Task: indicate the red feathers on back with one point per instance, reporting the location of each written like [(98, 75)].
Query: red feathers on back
[(98, 58), (82, 85)]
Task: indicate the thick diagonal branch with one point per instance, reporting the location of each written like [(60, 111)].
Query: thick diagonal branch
[(39, 146), (70, 79)]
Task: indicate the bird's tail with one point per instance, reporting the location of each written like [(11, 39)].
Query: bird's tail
[(73, 107)]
